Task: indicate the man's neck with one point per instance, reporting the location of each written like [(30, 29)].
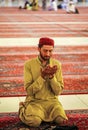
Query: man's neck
[(43, 62)]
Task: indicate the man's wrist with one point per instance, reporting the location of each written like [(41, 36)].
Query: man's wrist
[(51, 76)]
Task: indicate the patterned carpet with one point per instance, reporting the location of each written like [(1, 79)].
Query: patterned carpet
[(15, 23), (74, 61), (10, 121)]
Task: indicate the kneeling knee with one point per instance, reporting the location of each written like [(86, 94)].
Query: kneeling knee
[(34, 121), (37, 121), (59, 120)]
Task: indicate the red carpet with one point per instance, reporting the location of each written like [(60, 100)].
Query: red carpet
[(10, 121), (15, 23), (74, 61), (63, 24)]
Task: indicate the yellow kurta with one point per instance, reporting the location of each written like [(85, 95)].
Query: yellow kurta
[(42, 95), (35, 5)]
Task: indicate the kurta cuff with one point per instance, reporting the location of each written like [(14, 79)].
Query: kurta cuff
[(56, 86)]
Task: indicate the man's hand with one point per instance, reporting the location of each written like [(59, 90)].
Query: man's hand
[(48, 72)]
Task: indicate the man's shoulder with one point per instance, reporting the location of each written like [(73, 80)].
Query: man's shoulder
[(30, 61), (55, 61)]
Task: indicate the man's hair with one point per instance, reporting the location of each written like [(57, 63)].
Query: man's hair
[(45, 41)]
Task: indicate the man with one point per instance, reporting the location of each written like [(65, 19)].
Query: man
[(35, 5), (43, 83), (53, 5), (44, 4), (71, 7)]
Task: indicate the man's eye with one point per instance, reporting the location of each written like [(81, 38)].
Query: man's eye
[(45, 51), (50, 51)]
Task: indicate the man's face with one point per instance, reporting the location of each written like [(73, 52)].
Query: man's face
[(46, 52)]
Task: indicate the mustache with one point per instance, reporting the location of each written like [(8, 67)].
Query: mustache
[(44, 57)]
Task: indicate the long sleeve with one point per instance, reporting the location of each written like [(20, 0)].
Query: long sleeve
[(56, 82), (32, 86)]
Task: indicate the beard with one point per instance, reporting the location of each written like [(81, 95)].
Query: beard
[(45, 58)]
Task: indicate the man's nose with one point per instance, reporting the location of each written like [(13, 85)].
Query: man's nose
[(48, 53)]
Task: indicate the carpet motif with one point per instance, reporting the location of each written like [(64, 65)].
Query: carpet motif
[(33, 49), (10, 121), (20, 30), (14, 86), (16, 69), (61, 57), (74, 61)]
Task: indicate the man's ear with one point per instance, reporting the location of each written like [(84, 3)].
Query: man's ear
[(39, 49)]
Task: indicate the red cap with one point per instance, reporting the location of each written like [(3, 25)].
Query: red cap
[(46, 41)]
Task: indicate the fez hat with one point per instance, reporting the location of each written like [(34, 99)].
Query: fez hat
[(46, 41)]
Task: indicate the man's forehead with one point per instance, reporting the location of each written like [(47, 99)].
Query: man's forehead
[(47, 47)]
